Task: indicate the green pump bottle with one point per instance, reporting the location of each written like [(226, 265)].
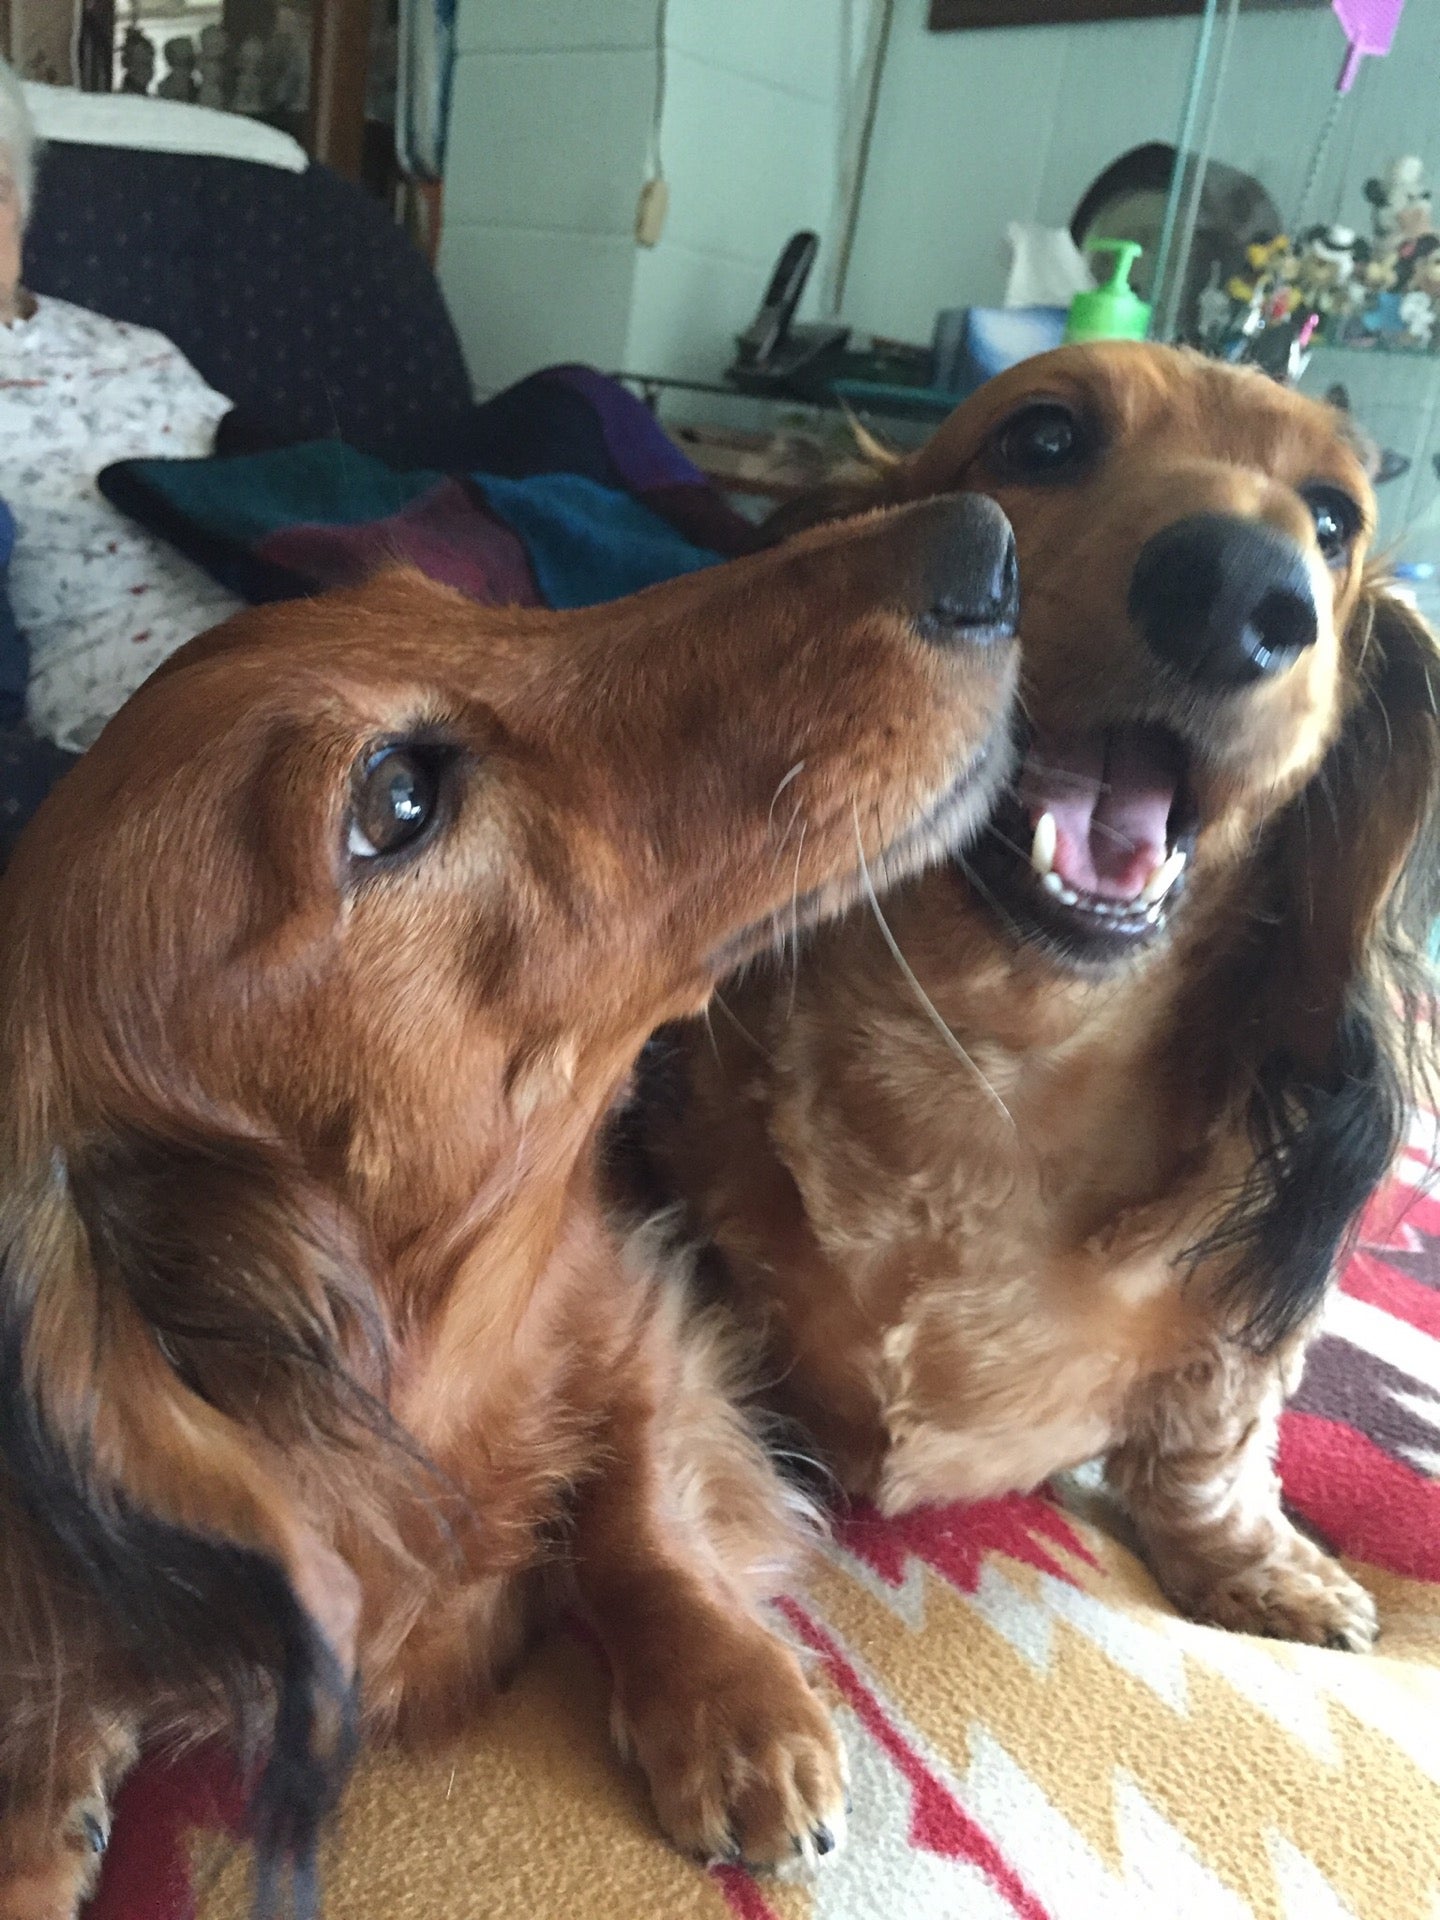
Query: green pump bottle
[(1114, 311)]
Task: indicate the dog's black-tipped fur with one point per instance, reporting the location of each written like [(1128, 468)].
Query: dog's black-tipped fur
[(252, 1279), (198, 1611), (253, 1287), (1320, 1152), (1358, 883)]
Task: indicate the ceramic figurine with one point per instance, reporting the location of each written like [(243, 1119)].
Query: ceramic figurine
[(249, 96), (1212, 308), (214, 46), (1418, 271), (181, 81), (1329, 256), (137, 62), (286, 76), (1401, 200), (1417, 316), (1335, 287)]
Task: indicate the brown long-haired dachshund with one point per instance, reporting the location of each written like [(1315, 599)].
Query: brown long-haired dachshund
[(319, 1367), (1057, 1162)]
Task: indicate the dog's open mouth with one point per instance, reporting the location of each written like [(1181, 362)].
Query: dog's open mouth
[(1089, 847)]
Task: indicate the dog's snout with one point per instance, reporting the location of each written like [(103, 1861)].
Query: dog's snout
[(1223, 600), (969, 578)]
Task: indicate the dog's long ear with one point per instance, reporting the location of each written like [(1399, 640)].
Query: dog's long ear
[(1347, 988), (1364, 844), (177, 1311)]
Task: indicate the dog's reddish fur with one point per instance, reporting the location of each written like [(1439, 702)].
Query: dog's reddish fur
[(974, 1272), (305, 1283)]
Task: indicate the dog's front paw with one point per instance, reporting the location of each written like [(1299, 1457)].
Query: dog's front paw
[(744, 1762), (49, 1876), (51, 1849), (1299, 1594)]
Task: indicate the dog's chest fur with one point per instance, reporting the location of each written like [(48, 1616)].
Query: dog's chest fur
[(502, 1387), (983, 1257)]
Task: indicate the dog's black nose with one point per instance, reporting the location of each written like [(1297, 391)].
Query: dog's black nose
[(969, 582), (1223, 600)]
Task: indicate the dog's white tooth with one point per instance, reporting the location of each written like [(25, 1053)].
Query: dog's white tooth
[(1068, 895), (1152, 913), (1052, 882), (1042, 847), (1163, 878)]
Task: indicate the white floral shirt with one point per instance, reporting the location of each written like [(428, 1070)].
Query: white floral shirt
[(101, 601)]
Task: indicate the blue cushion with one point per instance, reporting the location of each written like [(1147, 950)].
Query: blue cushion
[(588, 543)]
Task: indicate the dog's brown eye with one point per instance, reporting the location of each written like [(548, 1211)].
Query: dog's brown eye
[(1039, 441), (395, 796), (1337, 521)]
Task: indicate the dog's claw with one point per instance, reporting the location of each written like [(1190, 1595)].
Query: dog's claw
[(1348, 1643)]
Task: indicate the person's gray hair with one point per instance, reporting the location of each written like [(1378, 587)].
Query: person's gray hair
[(17, 137)]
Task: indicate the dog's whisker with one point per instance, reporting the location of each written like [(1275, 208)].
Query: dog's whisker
[(1322, 780), (795, 926), (1096, 826), (793, 774), (932, 1012), (973, 879), (789, 829), (709, 1024), (1012, 846), (719, 1000), (1081, 783), (1112, 833)]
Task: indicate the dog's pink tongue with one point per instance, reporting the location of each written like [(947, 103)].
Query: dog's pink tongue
[(1110, 795)]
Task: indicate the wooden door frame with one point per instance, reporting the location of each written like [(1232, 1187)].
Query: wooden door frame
[(339, 68)]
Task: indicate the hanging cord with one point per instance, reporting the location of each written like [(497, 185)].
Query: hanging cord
[(654, 163), (1317, 161), (1345, 172), (862, 157)]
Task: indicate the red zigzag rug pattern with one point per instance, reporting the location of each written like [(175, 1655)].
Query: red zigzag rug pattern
[(1034, 1734)]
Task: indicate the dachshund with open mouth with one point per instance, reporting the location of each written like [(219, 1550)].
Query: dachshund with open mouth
[(1054, 1157), (321, 1372)]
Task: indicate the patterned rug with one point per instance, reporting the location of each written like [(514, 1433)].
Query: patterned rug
[(1032, 1731)]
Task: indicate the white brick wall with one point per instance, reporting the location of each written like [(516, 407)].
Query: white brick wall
[(549, 136), (549, 126), (750, 143)]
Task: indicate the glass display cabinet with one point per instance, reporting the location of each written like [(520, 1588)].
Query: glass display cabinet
[(1299, 231)]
